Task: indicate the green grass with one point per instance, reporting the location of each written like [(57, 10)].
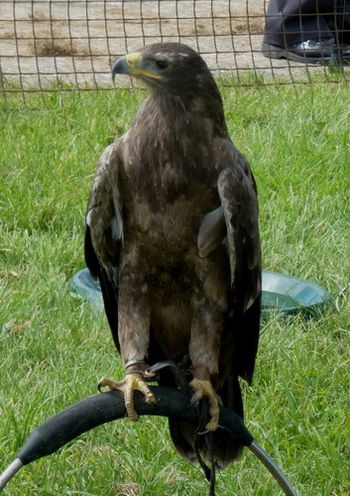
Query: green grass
[(53, 348)]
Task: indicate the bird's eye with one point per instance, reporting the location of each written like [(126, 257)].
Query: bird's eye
[(162, 64)]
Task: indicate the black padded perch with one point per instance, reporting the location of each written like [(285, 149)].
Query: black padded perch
[(105, 407)]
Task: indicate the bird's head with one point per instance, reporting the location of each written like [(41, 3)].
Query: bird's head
[(179, 73), (174, 67)]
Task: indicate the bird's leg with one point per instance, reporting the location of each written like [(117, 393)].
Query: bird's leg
[(133, 330), (204, 350), (135, 380), (202, 387)]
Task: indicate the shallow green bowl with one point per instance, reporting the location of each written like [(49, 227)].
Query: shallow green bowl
[(280, 293)]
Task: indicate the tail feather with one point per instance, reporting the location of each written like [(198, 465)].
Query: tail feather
[(225, 448)]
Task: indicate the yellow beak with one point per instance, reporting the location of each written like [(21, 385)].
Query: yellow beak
[(132, 64)]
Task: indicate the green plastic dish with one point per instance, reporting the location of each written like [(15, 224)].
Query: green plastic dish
[(280, 293), (290, 295)]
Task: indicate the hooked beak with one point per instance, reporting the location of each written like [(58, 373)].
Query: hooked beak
[(132, 64)]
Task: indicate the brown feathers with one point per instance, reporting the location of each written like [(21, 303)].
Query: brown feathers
[(173, 230)]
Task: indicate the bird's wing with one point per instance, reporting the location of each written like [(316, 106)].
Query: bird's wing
[(237, 192), (236, 222), (104, 232)]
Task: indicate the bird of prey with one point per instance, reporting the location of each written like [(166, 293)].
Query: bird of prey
[(172, 236)]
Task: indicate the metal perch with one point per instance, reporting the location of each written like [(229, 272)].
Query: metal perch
[(105, 407)]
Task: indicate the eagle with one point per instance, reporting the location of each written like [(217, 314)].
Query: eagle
[(172, 235)]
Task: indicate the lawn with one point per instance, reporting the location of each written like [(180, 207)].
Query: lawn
[(54, 348)]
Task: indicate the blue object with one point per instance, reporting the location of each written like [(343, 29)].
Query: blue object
[(290, 295), (280, 293)]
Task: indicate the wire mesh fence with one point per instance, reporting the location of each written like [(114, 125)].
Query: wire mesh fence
[(71, 44)]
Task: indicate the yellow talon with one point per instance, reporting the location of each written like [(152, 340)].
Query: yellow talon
[(204, 388), (132, 382)]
